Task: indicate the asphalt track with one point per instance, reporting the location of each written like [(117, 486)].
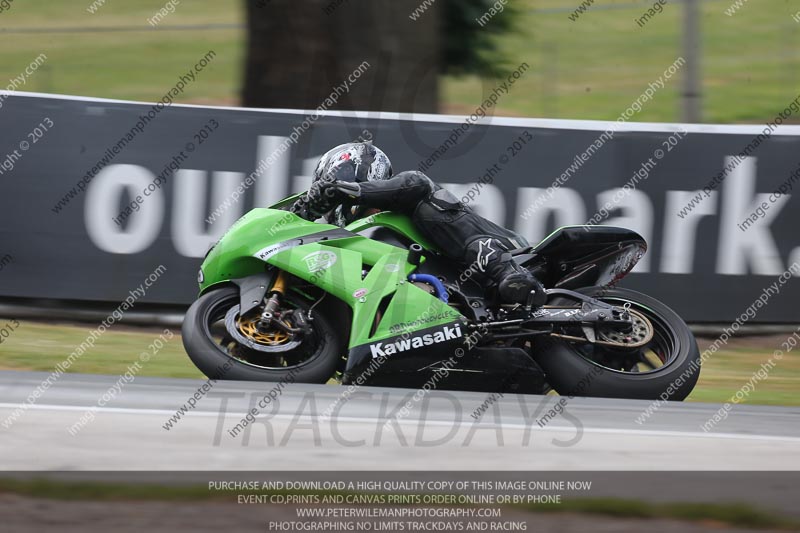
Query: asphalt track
[(438, 432)]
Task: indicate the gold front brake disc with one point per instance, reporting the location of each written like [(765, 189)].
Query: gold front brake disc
[(249, 328)]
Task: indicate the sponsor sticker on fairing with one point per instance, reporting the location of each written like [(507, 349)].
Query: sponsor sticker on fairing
[(269, 251), (447, 333), (319, 261)]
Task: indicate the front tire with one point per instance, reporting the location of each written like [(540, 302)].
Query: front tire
[(218, 357), (580, 369)]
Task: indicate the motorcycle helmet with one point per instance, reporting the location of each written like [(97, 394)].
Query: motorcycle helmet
[(356, 162)]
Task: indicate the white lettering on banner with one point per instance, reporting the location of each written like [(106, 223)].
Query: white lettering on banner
[(189, 233), (565, 204), (738, 252), (638, 216), (756, 245), (103, 199), (680, 233), (271, 186)]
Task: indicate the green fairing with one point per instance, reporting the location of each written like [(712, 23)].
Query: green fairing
[(335, 266), (398, 223)]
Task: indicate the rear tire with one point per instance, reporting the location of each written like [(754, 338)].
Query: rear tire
[(216, 362), (571, 371)]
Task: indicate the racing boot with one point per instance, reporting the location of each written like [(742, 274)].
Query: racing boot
[(515, 285)]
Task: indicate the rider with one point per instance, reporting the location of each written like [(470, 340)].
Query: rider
[(353, 179)]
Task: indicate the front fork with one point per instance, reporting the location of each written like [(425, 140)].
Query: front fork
[(273, 303), (272, 318)]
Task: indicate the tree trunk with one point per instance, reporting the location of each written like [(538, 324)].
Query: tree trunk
[(299, 51)]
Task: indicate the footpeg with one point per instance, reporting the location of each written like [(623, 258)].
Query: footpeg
[(536, 298)]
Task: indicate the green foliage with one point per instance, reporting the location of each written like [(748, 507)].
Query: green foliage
[(468, 47)]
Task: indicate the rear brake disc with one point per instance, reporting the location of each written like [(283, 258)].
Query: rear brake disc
[(640, 334)]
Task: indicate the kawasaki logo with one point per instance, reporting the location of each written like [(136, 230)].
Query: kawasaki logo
[(446, 334)]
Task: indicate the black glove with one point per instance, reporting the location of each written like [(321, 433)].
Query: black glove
[(300, 208), (323, 196)]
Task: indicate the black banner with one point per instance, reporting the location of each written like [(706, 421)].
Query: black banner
[(97, 194)]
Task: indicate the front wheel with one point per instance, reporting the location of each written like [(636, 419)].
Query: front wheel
[(252, 354), (666, 366)]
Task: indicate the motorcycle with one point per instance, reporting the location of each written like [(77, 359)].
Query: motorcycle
[(283, 297)]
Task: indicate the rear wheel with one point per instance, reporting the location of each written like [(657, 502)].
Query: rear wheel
[(225, 345), (662, 356)]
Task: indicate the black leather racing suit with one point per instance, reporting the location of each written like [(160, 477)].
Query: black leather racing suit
[(461, 234)]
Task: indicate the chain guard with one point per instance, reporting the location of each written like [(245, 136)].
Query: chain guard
[(641, 335)]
